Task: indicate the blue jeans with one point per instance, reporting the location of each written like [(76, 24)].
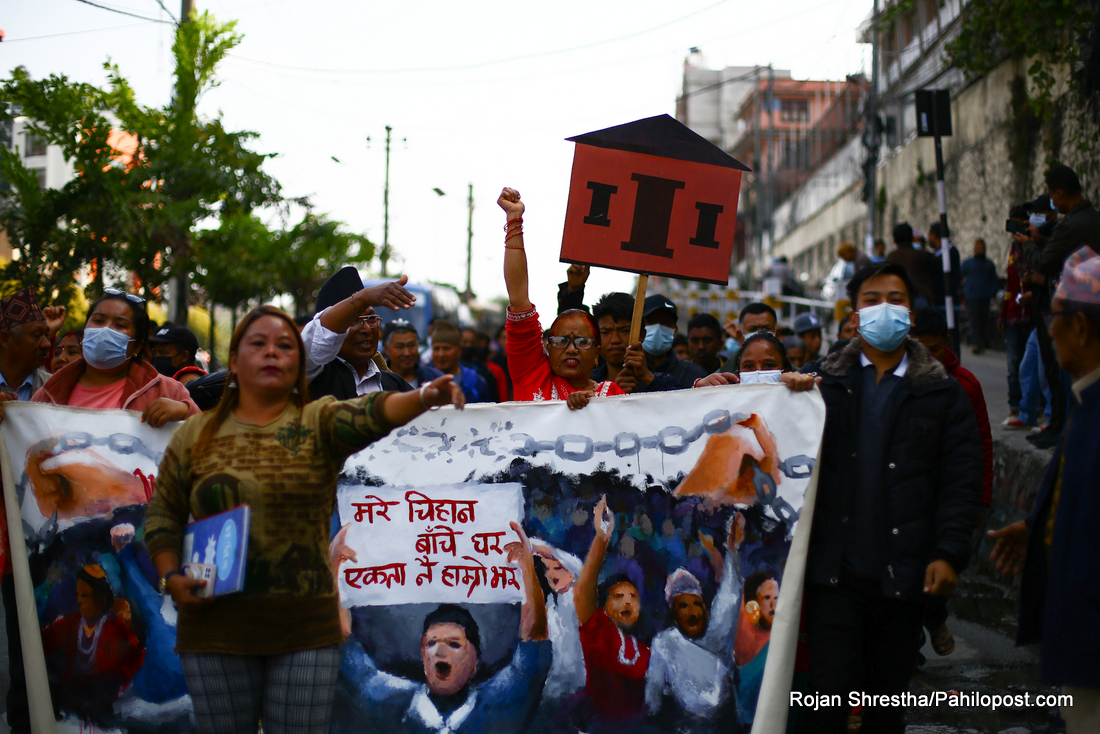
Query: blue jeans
[(1015, 341), (1033, 382)]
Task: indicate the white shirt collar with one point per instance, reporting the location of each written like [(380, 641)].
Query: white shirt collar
[(364, 384), (1085, 383), (899, 371)]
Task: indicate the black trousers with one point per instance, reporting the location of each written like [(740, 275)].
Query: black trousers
[(977, 317), (858, 640), (19, 713)]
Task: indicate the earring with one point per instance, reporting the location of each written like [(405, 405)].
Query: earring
[(294, 391), (231, 384)]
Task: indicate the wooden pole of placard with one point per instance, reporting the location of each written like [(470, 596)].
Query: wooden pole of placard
[(639, 303)]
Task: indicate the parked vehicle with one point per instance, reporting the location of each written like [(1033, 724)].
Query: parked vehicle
[(432, 302)]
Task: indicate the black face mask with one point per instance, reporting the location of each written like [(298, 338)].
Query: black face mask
[(164, 366), (475, 354)]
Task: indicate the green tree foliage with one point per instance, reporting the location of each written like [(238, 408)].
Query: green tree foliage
[(188, 203), (57, 231), (189, 170), (311, 251), (1048, 33)]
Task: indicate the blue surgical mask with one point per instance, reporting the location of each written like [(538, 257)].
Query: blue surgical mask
[(760, 377), (884, 325), (658, 339), (104, 348), (1038, 220), (732, 345)]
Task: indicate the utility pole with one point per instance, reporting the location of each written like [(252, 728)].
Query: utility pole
[(180, 285), (871, 138), (934, 121), (384, 256), (771, 165), (469, 241), (186, 6), (757, 215)]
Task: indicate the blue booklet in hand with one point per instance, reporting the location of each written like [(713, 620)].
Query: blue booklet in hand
[(215, 549)]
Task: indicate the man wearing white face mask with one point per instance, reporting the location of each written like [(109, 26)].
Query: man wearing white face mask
[(898, 494), (659, 314)]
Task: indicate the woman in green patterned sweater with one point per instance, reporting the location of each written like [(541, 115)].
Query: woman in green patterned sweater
[(270, 652)]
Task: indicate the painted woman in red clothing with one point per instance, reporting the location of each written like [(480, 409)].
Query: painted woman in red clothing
[(559, 367), (92, 654)]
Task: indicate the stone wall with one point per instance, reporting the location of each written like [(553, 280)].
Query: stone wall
[(980, 180)]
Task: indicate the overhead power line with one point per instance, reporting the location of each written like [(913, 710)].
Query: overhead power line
[(123, 12), (73, 33), (491, 62)]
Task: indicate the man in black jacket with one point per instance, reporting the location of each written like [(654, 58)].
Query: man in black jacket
[(897, 498), (342, 339)]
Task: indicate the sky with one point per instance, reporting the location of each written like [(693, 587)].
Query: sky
[(476, 93)]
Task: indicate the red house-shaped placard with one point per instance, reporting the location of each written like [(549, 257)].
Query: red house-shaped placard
[(652, 197)]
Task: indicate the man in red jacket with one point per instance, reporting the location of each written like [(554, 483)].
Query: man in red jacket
[(931, 331)]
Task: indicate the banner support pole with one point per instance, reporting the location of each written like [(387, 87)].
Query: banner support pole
[(639, 302), (34, 658)]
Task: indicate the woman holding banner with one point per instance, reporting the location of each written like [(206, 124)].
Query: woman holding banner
[(560, 369), (270, 652), (113, 372), (762, 359)]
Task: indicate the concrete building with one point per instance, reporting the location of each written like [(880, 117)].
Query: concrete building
[(46, 161), (980, 179)]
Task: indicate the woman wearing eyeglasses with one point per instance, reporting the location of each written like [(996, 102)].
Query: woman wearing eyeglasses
[(562, 370), (113, 373)]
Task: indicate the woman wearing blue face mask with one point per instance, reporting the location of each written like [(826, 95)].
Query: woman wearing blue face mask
[(113, 372), (762, 359)]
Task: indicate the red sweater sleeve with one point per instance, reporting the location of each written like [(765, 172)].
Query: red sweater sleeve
[(977, 400)]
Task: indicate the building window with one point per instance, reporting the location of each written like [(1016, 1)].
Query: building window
[(40, 173), (931, 10), (33, 145), (794, 110), (908, 29)]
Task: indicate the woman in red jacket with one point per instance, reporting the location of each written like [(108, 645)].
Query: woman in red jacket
[(560, 368)]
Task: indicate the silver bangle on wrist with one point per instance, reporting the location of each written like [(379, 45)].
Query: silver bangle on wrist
[(423, 404)]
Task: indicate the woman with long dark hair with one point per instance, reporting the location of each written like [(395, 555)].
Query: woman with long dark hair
[(558, 367), (113, 371), (270, 652)]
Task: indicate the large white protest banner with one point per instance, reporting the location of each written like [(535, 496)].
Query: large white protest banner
[(675, 468), (682, 473)]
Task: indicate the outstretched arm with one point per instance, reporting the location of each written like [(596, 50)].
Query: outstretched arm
[(515, 259), (342, 316), (584, 593), (402, 407), (534, 605)]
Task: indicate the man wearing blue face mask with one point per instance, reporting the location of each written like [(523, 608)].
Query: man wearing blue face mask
[(659, 314), (898, 495)]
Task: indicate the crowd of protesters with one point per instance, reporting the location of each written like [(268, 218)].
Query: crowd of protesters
[(906, 467)]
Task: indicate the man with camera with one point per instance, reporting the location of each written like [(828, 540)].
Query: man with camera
[(1078, 227)]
